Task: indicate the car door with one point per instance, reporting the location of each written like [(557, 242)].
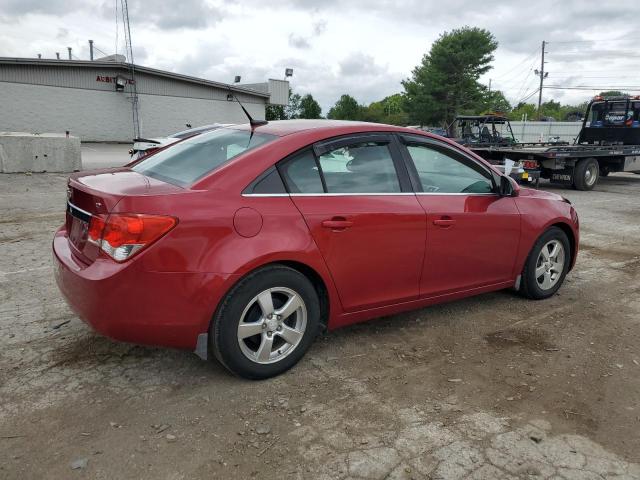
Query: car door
[(472, 232), (356, 198)]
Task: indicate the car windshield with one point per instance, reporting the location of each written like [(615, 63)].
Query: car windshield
[(187, 161)]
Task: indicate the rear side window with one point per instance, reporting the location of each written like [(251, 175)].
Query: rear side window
[(188, 161), (441, 173), (268, 183), (360, 168), (301, 174)]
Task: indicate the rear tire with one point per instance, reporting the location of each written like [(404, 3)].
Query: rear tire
[(547, 265), (266, 323), (586, 174)]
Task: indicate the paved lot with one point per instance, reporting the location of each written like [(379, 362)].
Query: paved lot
[(486, 388)]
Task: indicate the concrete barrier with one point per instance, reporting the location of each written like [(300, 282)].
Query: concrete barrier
[(46, 152)]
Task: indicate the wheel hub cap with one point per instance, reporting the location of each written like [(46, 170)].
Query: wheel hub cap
[(272, 324)]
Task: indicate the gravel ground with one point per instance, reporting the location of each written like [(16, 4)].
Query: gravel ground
[(490, 387)]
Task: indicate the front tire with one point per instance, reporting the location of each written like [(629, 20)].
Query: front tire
[(586, 174), (266, 323), (547, 265)]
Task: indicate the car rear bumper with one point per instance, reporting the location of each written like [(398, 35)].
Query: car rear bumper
[(129, 303)]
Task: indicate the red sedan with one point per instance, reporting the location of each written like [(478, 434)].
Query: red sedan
[(246, 241)]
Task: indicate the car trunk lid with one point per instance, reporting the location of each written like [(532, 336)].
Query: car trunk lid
[(96, 194)]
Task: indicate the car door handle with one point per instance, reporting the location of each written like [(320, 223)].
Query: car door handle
[(444, 222), (337, 223)]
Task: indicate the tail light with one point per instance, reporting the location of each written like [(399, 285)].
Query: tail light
[(122, 235), (530, 164)]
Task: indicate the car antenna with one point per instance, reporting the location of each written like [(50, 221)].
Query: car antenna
[(254, 123)]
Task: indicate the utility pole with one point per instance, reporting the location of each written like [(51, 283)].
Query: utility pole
[(489, 96), (542, 74), (132, 68)]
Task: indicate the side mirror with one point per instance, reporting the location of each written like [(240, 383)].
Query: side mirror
[(508, 187)]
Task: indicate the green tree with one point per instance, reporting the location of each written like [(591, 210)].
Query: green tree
[(298, 107), (388, 110), (612, 93), (309, 108), (551, 109), (522, 109), (274, 112), (346, 108), (446, 81), (495, 102), (292, 110)]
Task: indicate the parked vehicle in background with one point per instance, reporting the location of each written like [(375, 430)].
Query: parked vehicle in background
[(609, 141), (242, 243), (435, 130), (481, 133), (476, 130), (438, 131), (144, 146)]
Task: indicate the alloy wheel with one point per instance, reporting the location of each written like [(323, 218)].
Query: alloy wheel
[(272, 325), (550, 264)]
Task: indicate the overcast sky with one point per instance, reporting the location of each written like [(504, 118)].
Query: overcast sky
[(361, 47)]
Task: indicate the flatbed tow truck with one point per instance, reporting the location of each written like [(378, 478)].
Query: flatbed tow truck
[(609, 141), (479, 133)]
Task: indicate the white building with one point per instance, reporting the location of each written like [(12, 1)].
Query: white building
[(94, 99)]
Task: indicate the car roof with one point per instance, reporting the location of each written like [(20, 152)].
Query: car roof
[(282, 128)]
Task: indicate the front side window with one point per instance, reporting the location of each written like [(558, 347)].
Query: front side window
[(596, 116), (365, 167), (441, 173), (187, 161)]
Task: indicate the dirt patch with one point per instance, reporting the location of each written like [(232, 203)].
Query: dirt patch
[(535, 340), (607, 252), (94, 348)]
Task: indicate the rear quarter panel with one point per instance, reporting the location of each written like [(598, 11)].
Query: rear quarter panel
[(206, 240)]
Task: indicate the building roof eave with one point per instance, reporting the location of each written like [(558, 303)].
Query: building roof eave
[(126, 67)]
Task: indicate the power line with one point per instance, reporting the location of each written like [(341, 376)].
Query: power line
[(594, 87), (96, 48), (517, 65), (582, 76), (527, 97), (619, 39), (526, 85), (593, 71), (519, 76)]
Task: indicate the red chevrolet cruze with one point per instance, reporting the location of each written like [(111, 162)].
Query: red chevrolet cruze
[(246, 241)]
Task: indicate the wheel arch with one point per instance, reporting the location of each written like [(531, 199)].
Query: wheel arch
[(316, 279), (566, 228), (318, 284)]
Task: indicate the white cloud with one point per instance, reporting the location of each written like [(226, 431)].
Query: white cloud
[(364, 48)]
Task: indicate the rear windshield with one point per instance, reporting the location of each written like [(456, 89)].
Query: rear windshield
[(194, 131), (187, 161)]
